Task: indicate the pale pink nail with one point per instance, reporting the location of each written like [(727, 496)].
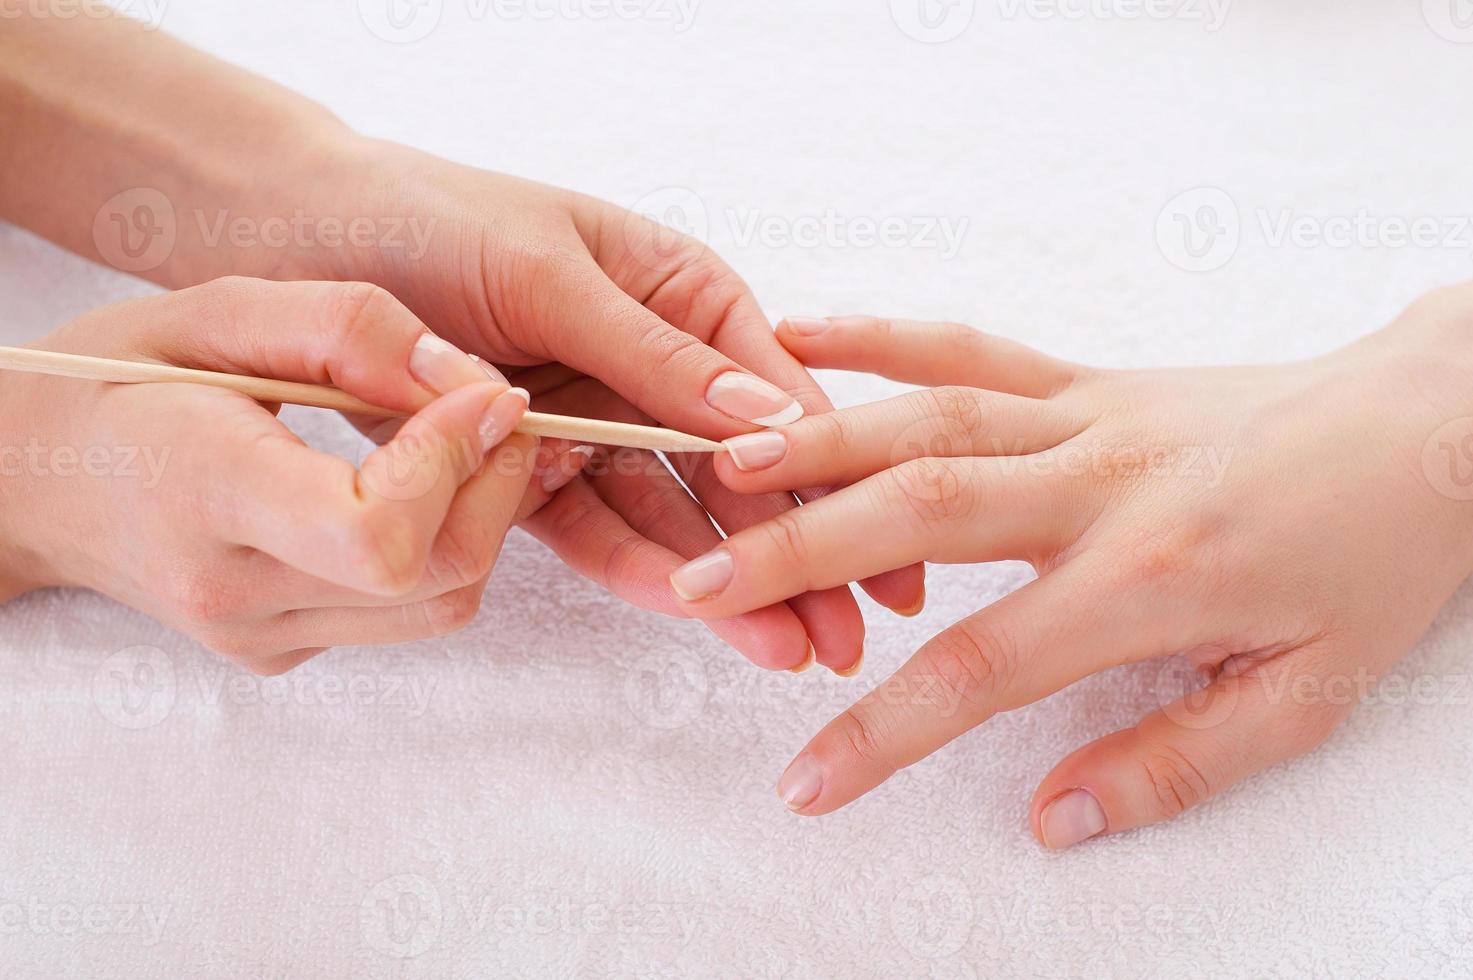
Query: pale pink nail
[(749, 398), (489, 368), (757, 450), (502, 416), (807, 326), (705, 576), (565, 467), (801, 783), (1071, 818), (441, 366)]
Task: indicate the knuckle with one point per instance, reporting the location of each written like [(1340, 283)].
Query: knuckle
[(882, 331), (932, 490), (833, 431), (623, 560), (1167, 558), (1176, 783), (202, 599), (665, 350), (657, 505), (957, 412), (453, 611), (859, 739), (969, 342), (786, 537), (357, 309), (233, 287), (971, 664)]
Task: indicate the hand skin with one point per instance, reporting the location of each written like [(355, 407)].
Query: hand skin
[(196, 506), (1291, 529), (618, 316)]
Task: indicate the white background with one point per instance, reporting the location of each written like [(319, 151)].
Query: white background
[(581, 789)]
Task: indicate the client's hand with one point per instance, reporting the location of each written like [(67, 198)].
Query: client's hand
[(196, 506), (1292, 529)]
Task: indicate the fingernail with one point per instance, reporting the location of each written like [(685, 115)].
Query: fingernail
[(502, 416), (486, 366), (565, 468), (757, 450), (441, 366), (915, 610), (1071, 818), (705, 576), (801, 783), (749, 398), (853, 668), (807, 661), (807, 326)]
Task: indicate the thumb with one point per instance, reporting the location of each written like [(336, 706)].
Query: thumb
[(353, 336), (1184, 754)]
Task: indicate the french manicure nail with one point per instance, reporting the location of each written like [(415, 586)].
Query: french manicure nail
[(1071, 818), (749, 398), (489, 368), (705, 576), (756, 450), (807, 326), (502, 416), (801, 783), (565, 468), (441, 366)]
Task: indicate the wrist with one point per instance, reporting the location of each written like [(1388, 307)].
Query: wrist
[(279, 219)]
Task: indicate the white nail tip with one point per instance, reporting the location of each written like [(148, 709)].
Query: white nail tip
[(787, 416)]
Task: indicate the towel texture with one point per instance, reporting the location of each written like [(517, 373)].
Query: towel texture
[(572, 787)]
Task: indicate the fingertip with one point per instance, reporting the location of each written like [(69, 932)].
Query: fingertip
[(801, 783), (1069, 818), (803, 328), (440, 367), (901, 590), (771, 638), (834, 625)]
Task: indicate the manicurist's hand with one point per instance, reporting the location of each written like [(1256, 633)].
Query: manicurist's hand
[(1248, 517), (602, 313), (196, 506), (615, 315)]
